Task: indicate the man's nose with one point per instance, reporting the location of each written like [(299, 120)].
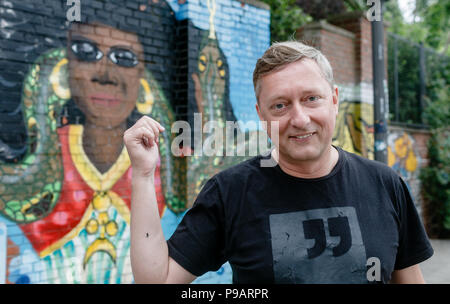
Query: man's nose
[(299, 117)]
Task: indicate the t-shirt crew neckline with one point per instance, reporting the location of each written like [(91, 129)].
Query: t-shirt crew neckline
[(336, 169)]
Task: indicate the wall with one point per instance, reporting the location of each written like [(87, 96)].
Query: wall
[(68, 91)]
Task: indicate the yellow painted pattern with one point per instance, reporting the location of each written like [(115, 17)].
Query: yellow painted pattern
[(59, 90), (402, 152), (145, 106)]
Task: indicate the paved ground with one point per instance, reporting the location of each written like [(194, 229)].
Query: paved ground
[(436, 270)]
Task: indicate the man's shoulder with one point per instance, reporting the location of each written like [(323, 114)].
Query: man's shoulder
[(236, 178), (365, 165), (242, 169)]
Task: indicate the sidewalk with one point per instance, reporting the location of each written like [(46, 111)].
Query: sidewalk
[(436, 270)]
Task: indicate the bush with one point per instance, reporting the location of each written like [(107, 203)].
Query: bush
[(285, 19), (435, 177)]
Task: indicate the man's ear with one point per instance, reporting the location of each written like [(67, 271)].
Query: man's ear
[(258, 110), (336, 98)]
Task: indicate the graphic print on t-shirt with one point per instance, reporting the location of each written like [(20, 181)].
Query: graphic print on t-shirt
[(318, 246)]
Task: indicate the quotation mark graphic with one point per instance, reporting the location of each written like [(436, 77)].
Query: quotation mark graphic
[(337, 226), (321, 245)]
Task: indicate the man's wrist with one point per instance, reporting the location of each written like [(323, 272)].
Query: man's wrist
[(143, 175)]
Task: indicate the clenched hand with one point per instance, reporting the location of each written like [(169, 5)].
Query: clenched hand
[(141, 143)]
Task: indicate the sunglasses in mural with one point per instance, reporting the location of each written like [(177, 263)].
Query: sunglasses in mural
[(88, 51)]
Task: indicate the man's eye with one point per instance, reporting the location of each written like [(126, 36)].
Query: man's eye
[(278, 106), (313, 98)]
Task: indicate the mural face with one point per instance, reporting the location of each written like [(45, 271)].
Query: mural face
[(104, 73)]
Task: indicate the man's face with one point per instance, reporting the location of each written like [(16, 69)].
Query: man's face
[(105, 65), (300, 99)]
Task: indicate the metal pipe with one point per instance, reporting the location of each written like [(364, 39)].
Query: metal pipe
[(381, 101)]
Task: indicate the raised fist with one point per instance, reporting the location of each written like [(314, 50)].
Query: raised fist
[(141, 142)]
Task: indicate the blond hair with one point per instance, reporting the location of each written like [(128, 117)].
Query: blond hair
[(280, 54)]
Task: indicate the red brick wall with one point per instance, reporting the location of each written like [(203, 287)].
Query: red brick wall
[(356, 23), (337, 45), (340, 51)]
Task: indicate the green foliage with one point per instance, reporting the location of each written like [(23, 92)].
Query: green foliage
[(435, 17), (435, 177), (437, 75), (431, 23), (321, 9), (393, 15), (355, 5), (437, 114), (287, 16), (408, 80), (285, 19)]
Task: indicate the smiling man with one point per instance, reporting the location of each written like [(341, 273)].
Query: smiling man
[(322, 215), (305, 104)]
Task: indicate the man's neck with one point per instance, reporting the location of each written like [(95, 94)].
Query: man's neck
[(309, 168)]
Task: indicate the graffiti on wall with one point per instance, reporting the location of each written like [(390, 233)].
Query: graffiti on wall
[(354, 130), (404, 158), (65, 194), (211, 83), (401, 154)]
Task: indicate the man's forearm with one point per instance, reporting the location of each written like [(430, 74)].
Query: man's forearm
[(149, 253)]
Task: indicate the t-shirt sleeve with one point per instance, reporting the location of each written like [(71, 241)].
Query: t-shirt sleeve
[(414, 245), (198, 242)]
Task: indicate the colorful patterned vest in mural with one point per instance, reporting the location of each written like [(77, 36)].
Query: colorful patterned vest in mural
[(90, 223)]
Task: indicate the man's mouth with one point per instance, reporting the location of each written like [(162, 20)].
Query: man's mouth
[(302, 137)]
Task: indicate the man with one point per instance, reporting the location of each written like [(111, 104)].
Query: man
[(322, 215)]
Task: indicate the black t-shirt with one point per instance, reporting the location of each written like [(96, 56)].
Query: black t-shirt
[(355, 225)]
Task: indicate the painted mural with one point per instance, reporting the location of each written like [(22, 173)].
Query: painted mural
[(70, 195), (211, 83), (354, 130), (404, 158), (65, 190), (401, 154)]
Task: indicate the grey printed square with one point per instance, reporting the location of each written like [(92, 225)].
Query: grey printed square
[(318, 246)]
